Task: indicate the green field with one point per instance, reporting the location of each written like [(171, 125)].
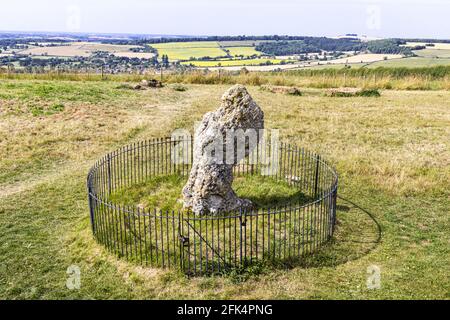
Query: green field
[(427, 60), (412, 62), (391, 154), (230, 63), (433, 53), (188, 50), (243, 51), (199, 49)]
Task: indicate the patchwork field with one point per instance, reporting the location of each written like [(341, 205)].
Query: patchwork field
[(188, 50), (391, 153), (84, 49)]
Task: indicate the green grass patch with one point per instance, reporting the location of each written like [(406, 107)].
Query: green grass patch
[(163, 193), (41, 111), (58, 90)]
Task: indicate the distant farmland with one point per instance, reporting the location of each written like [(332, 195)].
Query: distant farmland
[(413, 62), (188, 50), (226, 55), (243, 51), (230, 63), (85, 49)]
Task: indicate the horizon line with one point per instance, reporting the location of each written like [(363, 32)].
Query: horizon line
[(162, 35)]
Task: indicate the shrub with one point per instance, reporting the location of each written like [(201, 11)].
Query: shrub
[(368, 93)]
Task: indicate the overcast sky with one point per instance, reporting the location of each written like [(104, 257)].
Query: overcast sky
[(379, 18)]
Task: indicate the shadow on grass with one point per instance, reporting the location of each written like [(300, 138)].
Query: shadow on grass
[(280, 200), (357, 233)]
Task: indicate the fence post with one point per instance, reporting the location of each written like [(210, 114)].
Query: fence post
[(109, 173), (91, 206), (334, 210), (316, 181)]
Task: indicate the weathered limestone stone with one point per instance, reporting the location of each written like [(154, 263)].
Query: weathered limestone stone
[(208, 190)]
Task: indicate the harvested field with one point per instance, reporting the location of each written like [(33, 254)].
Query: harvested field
[(366, 58), (81, 49), (237, 62)]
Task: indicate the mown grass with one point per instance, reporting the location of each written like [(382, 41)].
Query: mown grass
[(391, 153)]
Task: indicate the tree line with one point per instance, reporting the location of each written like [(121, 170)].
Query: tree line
[(316, 44)]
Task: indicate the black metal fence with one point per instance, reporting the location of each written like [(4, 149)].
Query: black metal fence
[(211, 244)]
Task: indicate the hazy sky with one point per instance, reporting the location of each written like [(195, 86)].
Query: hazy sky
[(384, 18)]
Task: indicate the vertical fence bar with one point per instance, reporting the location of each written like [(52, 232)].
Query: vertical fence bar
[(316, 180)]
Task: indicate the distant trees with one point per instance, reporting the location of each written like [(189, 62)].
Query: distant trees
[(389, 46), (309, 45), (335, 46), (145, 48), (165, 60), (108, 62)]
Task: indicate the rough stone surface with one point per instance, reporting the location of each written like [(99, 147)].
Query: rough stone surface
[(208, 190)]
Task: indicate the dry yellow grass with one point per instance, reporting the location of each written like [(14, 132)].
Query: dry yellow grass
[(437, 45), (391, 153), (366, 58), (82, 49)]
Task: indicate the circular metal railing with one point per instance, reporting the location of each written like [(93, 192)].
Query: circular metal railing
[(212, 244)]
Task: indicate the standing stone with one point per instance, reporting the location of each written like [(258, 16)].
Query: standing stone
[(208, 190)]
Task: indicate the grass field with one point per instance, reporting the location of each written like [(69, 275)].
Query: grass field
[(433, 53), (336, 66), (164, 193), (437, 45), (225, 63), (366, 58), (412, 62), (243, 43), (426, 58), (188, 50), (244, 51), (391, 153), (82, 49), (193, 44)]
